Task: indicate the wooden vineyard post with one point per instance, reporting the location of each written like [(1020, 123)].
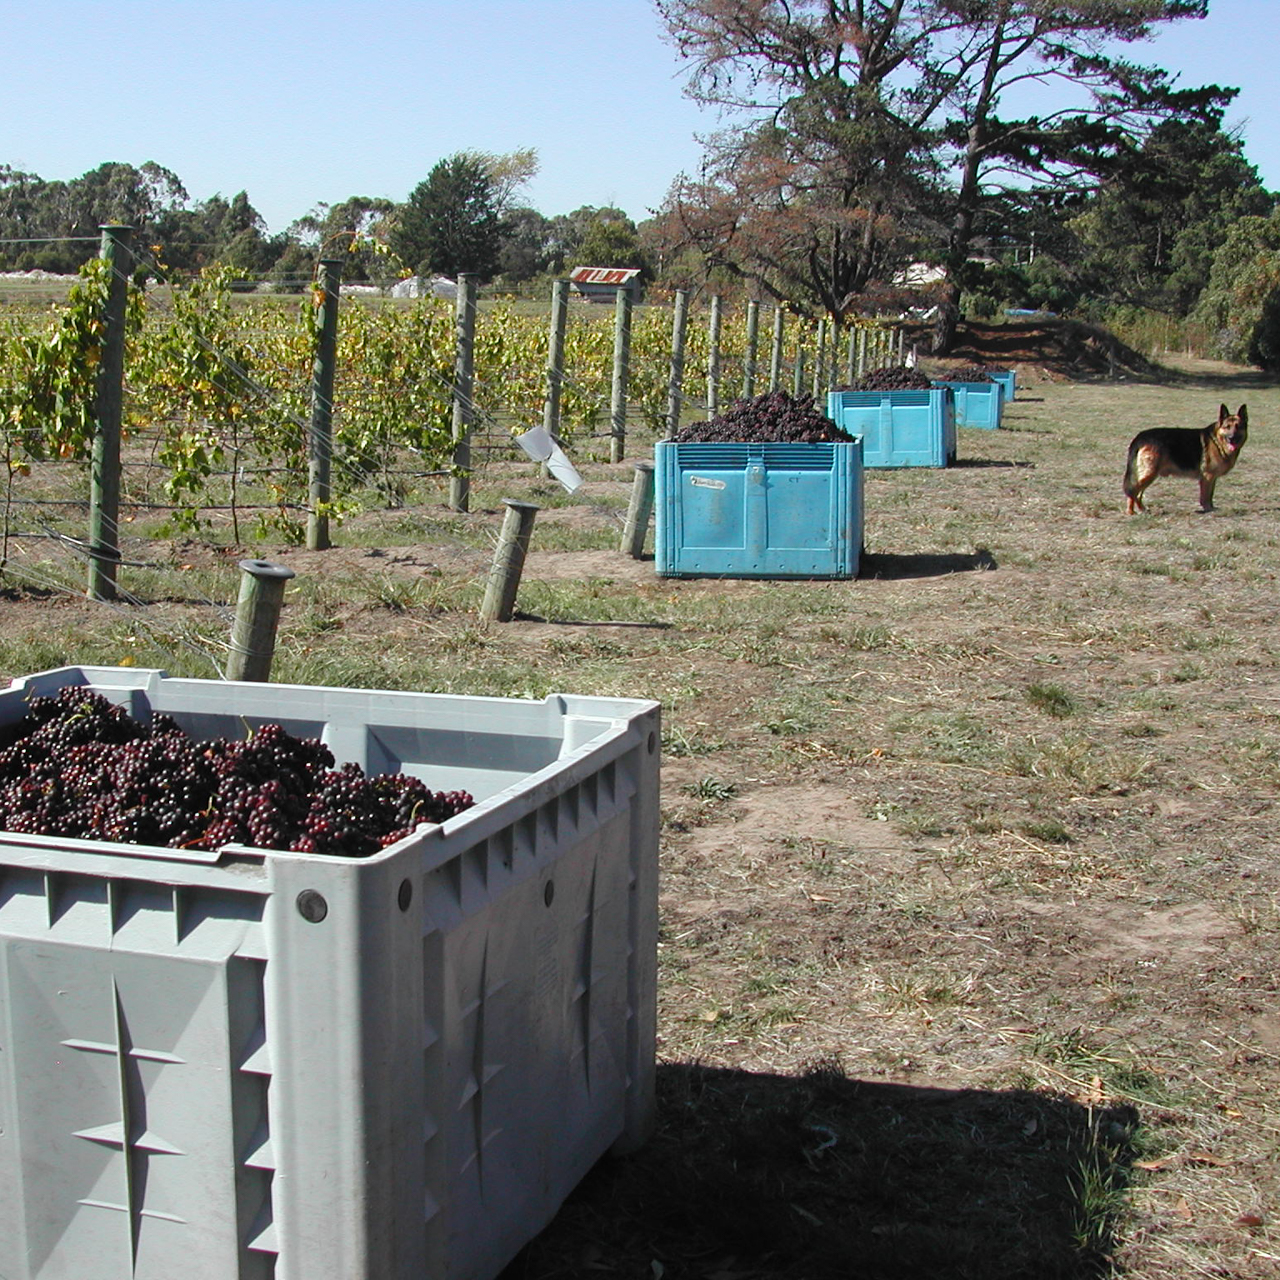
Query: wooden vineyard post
[(775, 357), (820, 361), (679, 317), (621, 372), (753, 350), (108, 406), (499, 602), (464, 409), (253, 634), (320, 437), (555, 358), (797, 372), (713, 357), (852, 356), (639, 510)]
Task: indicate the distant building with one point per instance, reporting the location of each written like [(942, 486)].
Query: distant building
[(601, 284), (416, 287), (918, 275)]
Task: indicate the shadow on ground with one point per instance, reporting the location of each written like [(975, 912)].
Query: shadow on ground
[(926, 565), (819, 1177)]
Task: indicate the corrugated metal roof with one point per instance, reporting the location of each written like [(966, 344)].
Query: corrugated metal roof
[(616, 276)]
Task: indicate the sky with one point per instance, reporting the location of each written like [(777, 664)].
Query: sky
[(300, 102)]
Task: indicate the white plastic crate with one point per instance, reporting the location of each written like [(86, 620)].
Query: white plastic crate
[(248, 1064)]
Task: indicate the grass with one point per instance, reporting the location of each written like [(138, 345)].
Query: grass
[(1052, 699), (968, 888)]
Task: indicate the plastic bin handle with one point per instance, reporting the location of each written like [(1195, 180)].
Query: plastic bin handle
[(67, 844)]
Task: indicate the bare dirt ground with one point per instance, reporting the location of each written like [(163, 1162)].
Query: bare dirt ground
[(970, 906)]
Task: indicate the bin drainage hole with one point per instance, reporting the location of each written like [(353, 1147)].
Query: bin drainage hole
[(312, 906), (405, 896), (653, 742), (549, 892)]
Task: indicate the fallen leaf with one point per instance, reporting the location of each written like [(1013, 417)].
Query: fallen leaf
[(1250, 1220), (1183, 1210), (1163, 1163)]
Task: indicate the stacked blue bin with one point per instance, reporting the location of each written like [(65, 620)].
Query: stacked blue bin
[(758, 509), (978, 404), (898, 428)]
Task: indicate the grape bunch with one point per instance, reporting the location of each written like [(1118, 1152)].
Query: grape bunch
[(971, 373), (77, 765), (893, 377), (772, 418)]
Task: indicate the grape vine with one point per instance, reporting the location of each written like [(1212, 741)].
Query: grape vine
[(222, 389)]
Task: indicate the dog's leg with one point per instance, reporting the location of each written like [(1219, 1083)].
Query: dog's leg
[(1134, 491), (1206, 492), (1133, 483)]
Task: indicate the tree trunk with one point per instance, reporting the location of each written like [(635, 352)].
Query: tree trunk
[(967, 200), (944, 328)]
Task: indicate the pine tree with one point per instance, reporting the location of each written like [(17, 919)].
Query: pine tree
[(450, 223)]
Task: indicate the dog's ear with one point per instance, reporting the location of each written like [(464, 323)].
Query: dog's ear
[(1243, 414), (1223, 412)]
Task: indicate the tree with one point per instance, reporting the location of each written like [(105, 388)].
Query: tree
[(863, 92), (1241, 302), (70, 215), (507, 173), (610, 240), (1149, 236), (216, 230), (812, 194), (20, 211), (998, 46), (450, 223), (527, 245), (355, 230)]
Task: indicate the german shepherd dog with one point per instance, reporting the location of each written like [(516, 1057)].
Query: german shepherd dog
[(1181, 451)]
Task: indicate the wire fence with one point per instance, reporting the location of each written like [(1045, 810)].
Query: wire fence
[(228, 388)]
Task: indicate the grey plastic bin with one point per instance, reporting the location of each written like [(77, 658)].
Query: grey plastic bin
[(245, 1063)]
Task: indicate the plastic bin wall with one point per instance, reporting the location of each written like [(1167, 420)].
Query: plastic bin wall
[(898, 428), (1008, 380), (243, 1064), (978, 404), (758, 510)]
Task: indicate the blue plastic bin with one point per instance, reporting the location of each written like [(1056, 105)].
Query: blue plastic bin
[(898, 428), (758, 510), (1008, 380), (978, 404)]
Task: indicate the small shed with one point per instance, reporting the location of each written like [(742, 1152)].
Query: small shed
[(601, 284)]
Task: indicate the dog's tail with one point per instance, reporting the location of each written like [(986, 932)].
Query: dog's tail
[(1130, 481)]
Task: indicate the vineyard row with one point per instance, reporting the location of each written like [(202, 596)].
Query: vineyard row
[(220, 390)]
